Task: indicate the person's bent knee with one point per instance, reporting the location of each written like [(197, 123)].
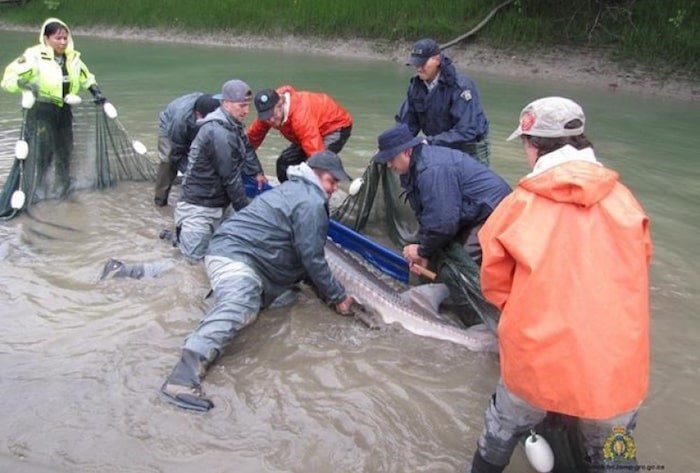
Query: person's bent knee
[(194, 245)]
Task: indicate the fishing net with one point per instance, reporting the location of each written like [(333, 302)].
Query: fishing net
[(460, 273), (70, 149), (380, 200)]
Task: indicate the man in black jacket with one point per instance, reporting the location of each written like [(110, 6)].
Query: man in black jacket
[(218, 156)]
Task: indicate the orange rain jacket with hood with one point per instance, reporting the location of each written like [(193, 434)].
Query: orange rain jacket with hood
[(309, 117), (566, 259)]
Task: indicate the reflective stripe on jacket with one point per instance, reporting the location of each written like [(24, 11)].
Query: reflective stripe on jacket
[(566, 258), (312, 115), (37, 65)]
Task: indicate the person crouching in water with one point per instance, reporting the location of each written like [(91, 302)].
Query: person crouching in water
[(177, 128), (451, 195), (254, 261)]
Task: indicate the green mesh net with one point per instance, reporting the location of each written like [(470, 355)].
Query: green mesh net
[(69, 149), (380, 201)]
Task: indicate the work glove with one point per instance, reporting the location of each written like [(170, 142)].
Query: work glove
[(97, 95), (27, 85)]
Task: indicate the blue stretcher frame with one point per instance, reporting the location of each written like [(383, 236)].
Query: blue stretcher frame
[(382, 258)]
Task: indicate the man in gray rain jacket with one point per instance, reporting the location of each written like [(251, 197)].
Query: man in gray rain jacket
[(254, 261), (219, 154)]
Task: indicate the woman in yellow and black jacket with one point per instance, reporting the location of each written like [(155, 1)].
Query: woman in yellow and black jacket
[(52, 70)]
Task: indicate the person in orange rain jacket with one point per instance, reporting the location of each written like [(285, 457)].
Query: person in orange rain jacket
[(566, 258), (312, 121)]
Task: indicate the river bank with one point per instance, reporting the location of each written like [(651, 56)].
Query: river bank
[(572, 65)]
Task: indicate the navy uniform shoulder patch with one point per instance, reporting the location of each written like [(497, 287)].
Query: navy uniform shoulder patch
[(466, 95)]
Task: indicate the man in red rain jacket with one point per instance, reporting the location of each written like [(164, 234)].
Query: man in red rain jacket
[(311, 121)]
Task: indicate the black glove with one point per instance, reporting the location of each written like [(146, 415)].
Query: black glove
[(26, 85), (97, 94)]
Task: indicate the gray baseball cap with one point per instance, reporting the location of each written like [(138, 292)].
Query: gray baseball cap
[(328, 161), (235, 90)]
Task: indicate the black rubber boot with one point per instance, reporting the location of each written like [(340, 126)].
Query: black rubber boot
[(166, 174), (479, 465), (169, 236), (114, 268), (183, 387)]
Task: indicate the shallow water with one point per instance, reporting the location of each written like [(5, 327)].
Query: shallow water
[(302, 390)]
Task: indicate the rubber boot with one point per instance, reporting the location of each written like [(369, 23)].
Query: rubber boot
[(169, 236), (479, 465), (183, 387), (164, 180), (114, 268)]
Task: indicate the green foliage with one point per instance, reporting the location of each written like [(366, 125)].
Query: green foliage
[(664, 34), (677, 20)]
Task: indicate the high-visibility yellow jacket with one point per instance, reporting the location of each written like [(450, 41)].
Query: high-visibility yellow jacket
[(37, 65), (566, 258)]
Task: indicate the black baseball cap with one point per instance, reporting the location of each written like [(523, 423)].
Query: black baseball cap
[(423, 50), (265, 102)]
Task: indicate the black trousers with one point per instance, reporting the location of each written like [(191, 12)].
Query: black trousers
[(49, 132), (294, 154)]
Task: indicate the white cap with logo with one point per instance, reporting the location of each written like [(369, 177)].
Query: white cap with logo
[(547, 118)]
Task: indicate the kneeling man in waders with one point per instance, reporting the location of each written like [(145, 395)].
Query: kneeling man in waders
[(254, 261)]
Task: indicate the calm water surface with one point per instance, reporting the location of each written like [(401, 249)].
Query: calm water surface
[(303, 390)]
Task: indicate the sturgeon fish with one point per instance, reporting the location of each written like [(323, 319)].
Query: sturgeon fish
[(416, 309)]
